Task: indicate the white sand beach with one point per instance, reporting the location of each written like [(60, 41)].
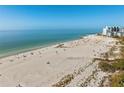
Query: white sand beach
[(70, 62)]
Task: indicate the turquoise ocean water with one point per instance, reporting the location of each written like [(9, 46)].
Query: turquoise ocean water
[(13, 42)]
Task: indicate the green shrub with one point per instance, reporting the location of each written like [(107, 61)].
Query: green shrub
[(117, 80), (64, 81), (106, 67), (119, 65)]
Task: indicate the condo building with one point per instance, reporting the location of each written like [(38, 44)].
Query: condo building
[(112, 31)]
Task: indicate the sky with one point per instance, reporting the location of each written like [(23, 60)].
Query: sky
[(60, 17)]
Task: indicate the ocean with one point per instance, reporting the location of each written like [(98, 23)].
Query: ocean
[(16, 41)]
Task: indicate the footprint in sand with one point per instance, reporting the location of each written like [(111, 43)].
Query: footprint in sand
[(48, 62), (56, 52), (32, 53), (11, 60), (19, 85)]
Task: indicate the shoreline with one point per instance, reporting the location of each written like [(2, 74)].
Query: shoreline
[(65, 64), (43, 46)]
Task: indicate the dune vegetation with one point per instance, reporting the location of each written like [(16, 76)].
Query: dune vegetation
[(114, 67)]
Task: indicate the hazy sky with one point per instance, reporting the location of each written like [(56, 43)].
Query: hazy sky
[(55, 17)]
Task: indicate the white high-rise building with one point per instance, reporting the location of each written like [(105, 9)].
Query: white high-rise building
[(105, 31)]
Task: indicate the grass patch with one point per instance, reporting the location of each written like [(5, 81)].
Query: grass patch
[(106, 67), (119, 64), (122, 51), (117, 80), (121, 40)]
